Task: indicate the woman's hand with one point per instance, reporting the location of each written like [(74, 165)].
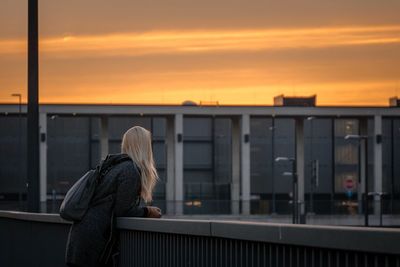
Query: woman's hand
[(153, 212)]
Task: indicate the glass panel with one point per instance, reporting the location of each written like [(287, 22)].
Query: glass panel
[(346, 156), (68, 152), (318, 151), (270, 189), (12, 161), (207, 165)]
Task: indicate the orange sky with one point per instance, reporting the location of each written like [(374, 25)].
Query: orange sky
[(243, 52)]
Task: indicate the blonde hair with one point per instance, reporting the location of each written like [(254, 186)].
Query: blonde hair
[(136, 142)]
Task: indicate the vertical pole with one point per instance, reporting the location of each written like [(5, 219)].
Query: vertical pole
[(90, 143), (235, 185), (179, 164), (378, 183), (170, 184), (366, 182), (392, 164), (104, 137), (33, 107), (333, 162), (43, 161), (20, 173), (215, 191), (363, 166), (300, 167), (313, 163), (245, 163), (294, 192), (381, 210), (273, 165), (313, 179)]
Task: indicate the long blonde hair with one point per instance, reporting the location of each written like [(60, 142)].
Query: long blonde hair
[(136, 142)]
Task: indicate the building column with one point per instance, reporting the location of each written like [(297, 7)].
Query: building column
[(178, 149), (235, 183), (43, 161), (361, 190), (377, 143), (103, 137), (170, 183), (300, 167), (245, 163), (174, 184)]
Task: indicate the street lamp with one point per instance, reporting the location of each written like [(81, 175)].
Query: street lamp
[(20, 147), (363, 139), (294, 185)]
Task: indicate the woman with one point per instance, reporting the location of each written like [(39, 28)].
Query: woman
[(91, 241)]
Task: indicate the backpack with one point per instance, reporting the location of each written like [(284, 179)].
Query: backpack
[(77, 200)]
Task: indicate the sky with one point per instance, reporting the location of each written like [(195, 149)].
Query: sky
[(230, 52)]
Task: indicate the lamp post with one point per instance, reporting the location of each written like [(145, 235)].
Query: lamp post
[(294, 185), (363, 139), (19, 147), (33, 107)]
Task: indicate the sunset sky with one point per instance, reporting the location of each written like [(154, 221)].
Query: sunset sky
[(232, 51)]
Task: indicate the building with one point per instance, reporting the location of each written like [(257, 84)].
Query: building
[(218, 159)]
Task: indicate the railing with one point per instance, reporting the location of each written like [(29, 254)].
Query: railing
[(39, 240), (198, 206)]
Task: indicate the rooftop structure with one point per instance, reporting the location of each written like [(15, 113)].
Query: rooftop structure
[(295, 101), (394, 102)]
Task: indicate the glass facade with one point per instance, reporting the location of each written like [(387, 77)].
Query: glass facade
[(68, 151), (74, 147), (207, 165), (391, 164), (12, 161), (270, 189)]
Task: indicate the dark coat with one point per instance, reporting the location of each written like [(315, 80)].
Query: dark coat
[(87, 239)]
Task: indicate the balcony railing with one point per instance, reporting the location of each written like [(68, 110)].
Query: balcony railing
[(28, 239)]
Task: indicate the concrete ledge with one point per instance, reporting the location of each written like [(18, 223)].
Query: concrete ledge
[(33, 217), (346, 238), (377, 240), (185, 227)]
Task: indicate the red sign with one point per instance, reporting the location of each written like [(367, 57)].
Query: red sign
[(349, 184)]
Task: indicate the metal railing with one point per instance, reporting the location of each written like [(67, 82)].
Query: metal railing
[(39, 240)]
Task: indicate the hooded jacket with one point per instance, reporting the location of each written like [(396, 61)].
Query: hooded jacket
[(88, 238)]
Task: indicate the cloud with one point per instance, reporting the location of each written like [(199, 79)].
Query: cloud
[(207, 41)]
